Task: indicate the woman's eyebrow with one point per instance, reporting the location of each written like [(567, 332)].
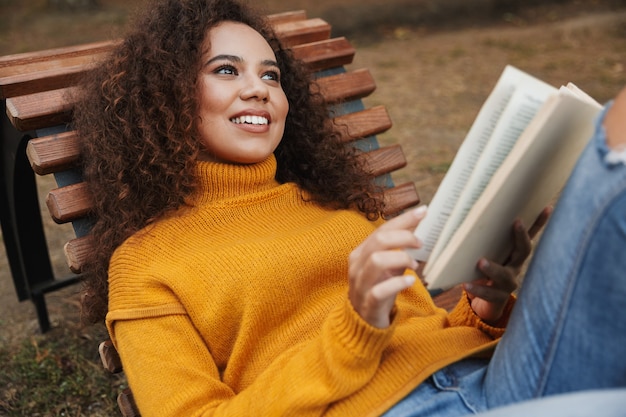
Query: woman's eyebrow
[(238, 59), (225, 57), (269, 63)]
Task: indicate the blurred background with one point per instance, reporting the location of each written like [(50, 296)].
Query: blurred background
[(434, 61)]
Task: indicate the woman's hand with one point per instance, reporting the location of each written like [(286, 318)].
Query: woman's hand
[(377, 265), (489, 295)]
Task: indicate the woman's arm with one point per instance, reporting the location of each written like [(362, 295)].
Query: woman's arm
[(172, 373)]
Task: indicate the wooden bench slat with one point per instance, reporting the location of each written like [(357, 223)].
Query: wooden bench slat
[(42, 60), (110, 358), (298, 32), (347, 86), (54, 153), (290, 16), (126, 403), (77, 251), (55, 78), (385, 160), (400, 197), (69, 203), (34, 111), (321, 55), (364, 123), (57, 68)]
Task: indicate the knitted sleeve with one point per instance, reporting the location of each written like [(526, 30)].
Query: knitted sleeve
[(172, 373), (463, 315)]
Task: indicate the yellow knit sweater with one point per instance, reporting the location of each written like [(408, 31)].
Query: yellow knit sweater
[(238, 306)]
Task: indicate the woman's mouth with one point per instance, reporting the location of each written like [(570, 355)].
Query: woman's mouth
[(250, 120)]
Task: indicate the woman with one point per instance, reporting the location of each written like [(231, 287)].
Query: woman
[(249, 272)]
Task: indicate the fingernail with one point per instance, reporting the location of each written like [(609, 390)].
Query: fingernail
[(421, 211), (409, 279)]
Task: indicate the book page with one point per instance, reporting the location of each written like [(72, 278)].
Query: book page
[(532, 174), (462, 166), (453, 184), (528, 98), (571, 88)]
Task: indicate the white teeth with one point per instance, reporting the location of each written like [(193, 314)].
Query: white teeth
[(253, 120)]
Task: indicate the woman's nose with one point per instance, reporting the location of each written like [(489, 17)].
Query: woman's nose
[(254, 88)]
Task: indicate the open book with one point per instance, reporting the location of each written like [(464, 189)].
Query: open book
[(515, 159)]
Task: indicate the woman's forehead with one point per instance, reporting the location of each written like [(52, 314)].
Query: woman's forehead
[(238, 39)]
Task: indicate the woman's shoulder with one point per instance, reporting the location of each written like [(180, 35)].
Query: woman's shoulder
[(152, 244)]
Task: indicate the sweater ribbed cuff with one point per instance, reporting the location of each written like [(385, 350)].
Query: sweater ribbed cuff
[(463, 315), (356, 335)]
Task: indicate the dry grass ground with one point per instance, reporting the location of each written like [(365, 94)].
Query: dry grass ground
[(432, 73)]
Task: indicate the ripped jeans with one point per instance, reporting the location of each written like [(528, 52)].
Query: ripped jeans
[(567, 331)]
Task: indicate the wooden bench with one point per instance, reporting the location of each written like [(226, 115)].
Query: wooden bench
[(111, 362), (36, 139)]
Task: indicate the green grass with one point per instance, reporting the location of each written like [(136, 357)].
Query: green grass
[(521, 49), (440, 168), (58, 374)]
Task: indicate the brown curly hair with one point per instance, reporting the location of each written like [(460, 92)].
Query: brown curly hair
[(137, 115)]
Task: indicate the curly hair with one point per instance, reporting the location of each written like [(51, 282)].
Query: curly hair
[(137, 115)]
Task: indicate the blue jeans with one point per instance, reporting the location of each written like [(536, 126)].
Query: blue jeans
[(592, 403), (568, 329)]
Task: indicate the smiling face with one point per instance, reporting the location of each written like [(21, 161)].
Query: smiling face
[(242, 104)]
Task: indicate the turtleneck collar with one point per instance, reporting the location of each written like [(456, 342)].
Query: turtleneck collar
[(220, 181)]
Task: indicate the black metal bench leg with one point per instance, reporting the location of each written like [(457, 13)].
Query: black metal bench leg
[(42, 312), (22, 227)]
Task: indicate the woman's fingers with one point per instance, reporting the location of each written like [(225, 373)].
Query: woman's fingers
[(397, 233), (376, 307), (390, 287), (522, 239), (406, 221), (490, 294), (503, 277), (380, 266), (376, 267), (540, 222), (522, 245)]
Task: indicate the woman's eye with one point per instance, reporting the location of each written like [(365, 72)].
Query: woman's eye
[(226, 70), (271, 75)]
